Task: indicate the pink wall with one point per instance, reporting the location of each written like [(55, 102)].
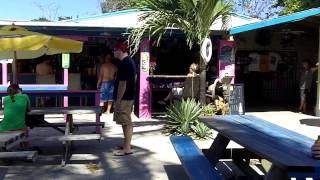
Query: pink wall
[(145, 90), (226, 57)]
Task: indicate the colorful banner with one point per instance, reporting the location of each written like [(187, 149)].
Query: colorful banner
[(226, 55)]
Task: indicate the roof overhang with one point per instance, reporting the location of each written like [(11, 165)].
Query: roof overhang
[(311, 15), (114, 23), (130, 19), (67, 28)]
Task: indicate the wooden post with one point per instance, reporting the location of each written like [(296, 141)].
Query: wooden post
[(202, 83), (66, 83), (14, 69), (145, 90), (317, 109), (97, 104), (4, 74)]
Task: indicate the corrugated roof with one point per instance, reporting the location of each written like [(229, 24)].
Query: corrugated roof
[(129, 19), (117, 20)]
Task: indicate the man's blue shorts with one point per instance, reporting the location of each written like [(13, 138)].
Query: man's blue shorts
[(107, 88)]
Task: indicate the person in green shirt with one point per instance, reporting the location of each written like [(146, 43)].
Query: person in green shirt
[(16, 105)]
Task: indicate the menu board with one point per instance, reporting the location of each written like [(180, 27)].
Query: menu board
[(236, 99)]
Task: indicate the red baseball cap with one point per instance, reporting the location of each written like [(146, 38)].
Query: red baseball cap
[(121, 46)]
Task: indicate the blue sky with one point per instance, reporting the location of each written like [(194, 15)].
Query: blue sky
[(52, 9)]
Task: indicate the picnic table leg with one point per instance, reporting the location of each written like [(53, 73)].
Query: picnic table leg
[(97, 103), (217, 149), (67, 144), (276, 173), (244, 166)]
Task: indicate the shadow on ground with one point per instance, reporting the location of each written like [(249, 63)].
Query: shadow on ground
[(311, 122), (92, 160)]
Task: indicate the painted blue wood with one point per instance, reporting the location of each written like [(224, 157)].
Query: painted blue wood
[(302, 142), (38, 88), (194, 162), (55, 93), (63, 110), (281, 146), (274, 21)]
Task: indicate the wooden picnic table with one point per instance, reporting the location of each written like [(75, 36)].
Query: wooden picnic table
[(65, 110), (69, 125), (289, 152)]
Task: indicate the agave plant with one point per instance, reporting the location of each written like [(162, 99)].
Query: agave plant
[(182, 115), (201, 131)]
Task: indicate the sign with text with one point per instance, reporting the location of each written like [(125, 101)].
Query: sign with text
[(236, 99), (145, 56), (65, 61)]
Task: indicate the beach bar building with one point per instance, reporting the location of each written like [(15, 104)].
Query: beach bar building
[(99, 33), (269, 60)]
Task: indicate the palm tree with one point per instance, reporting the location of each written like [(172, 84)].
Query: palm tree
[(192, 17)]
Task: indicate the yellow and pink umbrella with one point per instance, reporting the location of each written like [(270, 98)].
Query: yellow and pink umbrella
[(18, 43)]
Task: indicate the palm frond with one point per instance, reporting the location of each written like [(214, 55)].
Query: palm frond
[(193, 17)]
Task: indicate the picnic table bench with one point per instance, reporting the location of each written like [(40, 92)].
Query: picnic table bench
[(69, 135), (288, 151), (10, 139), (194, 162)]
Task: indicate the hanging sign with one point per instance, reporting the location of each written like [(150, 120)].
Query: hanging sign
[(206, 50), (65, 61), (145, 56)]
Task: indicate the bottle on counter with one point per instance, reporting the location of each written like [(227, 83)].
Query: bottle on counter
[(315, 149)]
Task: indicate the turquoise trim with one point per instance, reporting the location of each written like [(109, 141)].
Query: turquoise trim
[(38, 88), (110, 14), (244, 16), (275, 21)]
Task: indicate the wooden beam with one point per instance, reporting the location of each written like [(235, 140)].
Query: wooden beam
[(317, 109), (76, 137), (18, 155)]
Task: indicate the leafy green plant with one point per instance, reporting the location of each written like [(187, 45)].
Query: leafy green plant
[(183, 119), (209, 110), (182, 115), (202, 131), (215, 108)]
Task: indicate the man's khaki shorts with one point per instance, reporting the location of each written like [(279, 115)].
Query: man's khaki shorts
[(122, 112)]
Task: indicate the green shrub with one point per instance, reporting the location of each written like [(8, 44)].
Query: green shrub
[(182, 115), (183, 119), (215, 108), (209, 110), (202, 131)]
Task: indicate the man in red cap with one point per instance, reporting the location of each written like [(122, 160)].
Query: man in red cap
[(124, 93)]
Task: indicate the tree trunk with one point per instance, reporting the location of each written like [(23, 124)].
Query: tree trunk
[(202, 83)]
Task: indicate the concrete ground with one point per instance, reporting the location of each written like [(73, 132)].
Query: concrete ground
[(153, 158)]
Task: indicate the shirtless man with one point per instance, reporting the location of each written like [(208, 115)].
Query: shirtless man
[(43, 69), (105, 83)]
